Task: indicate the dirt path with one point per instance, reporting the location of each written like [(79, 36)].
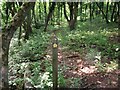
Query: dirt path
[(74, 66)]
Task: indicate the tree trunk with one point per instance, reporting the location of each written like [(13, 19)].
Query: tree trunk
[(7, 34), (117, 13), (65, 14), (75, 14), (19, 36), (113, 12), (51, 10), (28, 28), (102, 13), (93, 9), (40, 10), (45, 11), (7, 12), (102, 7), (34, 17), (61, 6), (107, 12), (58, 11), (85, 11), (90, 7), (73, 7), (81, 11)]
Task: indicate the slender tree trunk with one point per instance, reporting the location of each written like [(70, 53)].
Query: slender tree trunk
[(34, 17), (107, 11), (58, 12), (28, 28), (65, 14), (75, 10), (102, 7), (7, 34), (117, 11), (40, 10), (93, 9), (45, 11), (81, 11), (85, 11), (102, 13), (61, 6), (7, 11), (71, 10), (51, 10), (90, 7), (113, 12), (118, 4), (19, 36), (73, 7)]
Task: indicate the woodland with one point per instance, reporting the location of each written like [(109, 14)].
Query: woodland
[(60, 45)]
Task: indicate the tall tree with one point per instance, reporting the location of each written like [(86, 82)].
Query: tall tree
[(45, 9), (27, 25), (107, 12), (51, 10), (7, 34), (113, 12), (93, 9), (104, 15), (81, 11), (90, 7), (73, 8)]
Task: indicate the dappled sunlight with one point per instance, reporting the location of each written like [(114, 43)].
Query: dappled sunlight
[(89, 70), (76, 67), (70, 44)]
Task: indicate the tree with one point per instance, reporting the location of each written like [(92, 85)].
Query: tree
[(73, 8), (7, 34), (113, 12), (27, 26), (81, 11), (51, 10), (104, 15), (90, 6)]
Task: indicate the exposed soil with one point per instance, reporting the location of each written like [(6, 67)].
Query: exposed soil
[(74, 66)]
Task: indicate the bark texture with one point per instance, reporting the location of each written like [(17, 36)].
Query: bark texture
[(7, 34)]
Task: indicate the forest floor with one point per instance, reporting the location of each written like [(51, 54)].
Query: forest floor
[(74, 66), (77, 70)]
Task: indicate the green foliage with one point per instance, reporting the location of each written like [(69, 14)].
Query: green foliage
[(106, 67), (61, 80), (96, 38), (40, 70), (112, 66), (100, 66), (93, 55), (31, 50), (74, 82)]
